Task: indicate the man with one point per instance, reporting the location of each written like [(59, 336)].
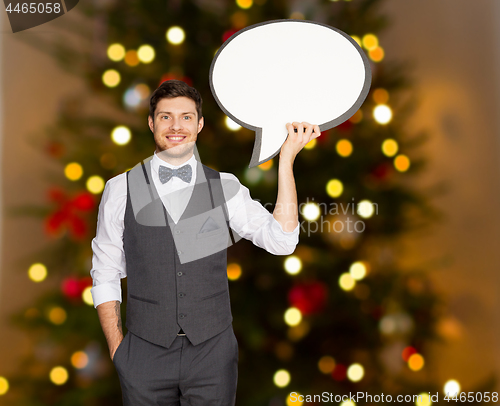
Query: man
[(164, 226)]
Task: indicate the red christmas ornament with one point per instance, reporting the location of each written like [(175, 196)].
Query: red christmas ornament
[(77, 227), (54, 223), (228, 34), (323, 138), (407, 353), (84, 201), (68, 215), (309, 297), (345, 126), (339, 373), (173, 76), (71, 288), (382, 171), (84, 283)]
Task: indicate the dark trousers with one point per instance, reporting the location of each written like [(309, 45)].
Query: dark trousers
[(201, 375)]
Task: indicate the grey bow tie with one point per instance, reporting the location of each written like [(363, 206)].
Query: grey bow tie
[(184, 172)]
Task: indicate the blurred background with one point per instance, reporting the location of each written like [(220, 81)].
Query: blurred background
[(407, 306)]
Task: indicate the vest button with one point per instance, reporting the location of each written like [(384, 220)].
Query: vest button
[(177, 232), (182, 294), (182, 315), (179, 273), (179, 252)]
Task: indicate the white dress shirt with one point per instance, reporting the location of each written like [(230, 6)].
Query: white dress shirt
[(247, 217)]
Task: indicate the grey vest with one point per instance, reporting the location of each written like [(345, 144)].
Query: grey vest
[(176, 273)]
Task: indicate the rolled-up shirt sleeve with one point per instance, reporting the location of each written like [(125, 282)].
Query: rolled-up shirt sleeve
[(108, 259), (252, 221)]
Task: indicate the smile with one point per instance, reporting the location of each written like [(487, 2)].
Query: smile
[(176, 137)]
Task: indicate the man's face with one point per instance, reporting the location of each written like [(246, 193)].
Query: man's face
[(175, 127)]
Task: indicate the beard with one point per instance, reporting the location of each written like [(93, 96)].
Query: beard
[(177, 151)]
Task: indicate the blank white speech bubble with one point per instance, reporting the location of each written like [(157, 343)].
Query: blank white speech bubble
[(281, 71)]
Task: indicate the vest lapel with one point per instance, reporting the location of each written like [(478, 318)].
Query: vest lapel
[(197, 203)]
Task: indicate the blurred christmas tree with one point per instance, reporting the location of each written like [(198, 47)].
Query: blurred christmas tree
[(340, 315)]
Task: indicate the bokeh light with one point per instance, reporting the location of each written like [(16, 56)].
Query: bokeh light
[(253, 175), (356, 38), (239, 20), (365, 208), (132, 98), (357, 270), (310, 211), (281, 378), (121, 135), (131, 58), (79, 359), (265, 166), (311, 144), (116, 52), (416, 362), (57, 315), (231, 124), (73, 171), (380, 95), (233, 271), (59, 375), (423, 399), (143, 90), (387, 325), (146, 53), (37, 272), (402, 163), (334, 188), (382, 114), (87, 296), (95, 184), (355, 372), (344, 148), (111, 78), (136, 94), (293, 316), (451, 388), (244, 4), (346, 281), (294, 399), (326, 364), (293, 265), (175, 35), (390, 147), (370, 41), (377, 54), (297, 15), (4, 385)]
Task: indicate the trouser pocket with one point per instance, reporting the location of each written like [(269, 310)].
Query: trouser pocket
[(120, 349)]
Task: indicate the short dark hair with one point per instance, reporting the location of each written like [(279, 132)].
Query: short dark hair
[(174, 88)]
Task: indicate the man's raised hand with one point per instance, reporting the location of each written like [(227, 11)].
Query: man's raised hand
[(299, 134)]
